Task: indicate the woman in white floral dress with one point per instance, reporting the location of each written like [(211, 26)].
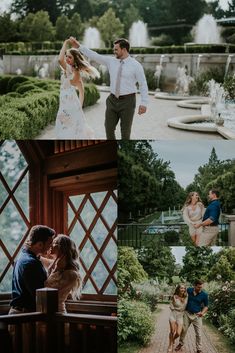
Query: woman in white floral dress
[(70, 120)]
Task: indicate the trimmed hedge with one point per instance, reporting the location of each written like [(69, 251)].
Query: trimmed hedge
[(29, 104), (53, 48)]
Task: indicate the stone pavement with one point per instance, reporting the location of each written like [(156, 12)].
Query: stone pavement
[(152, 125), (159, 343)]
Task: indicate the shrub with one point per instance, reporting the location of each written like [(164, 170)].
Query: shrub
[(163, 39), (25, 117), (26, 87), (199, 85), (135, 322), (148, 293), (229, 86), (151, 79), (91, 94), (4, 83), (227, 325), (16, 80)]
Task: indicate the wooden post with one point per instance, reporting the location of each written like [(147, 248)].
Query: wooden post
[(47, 303), (47, 300)]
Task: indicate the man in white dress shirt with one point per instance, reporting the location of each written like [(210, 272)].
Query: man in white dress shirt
[(124, 72)]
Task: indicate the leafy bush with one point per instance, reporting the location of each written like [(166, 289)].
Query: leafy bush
[(199, 85), (16, 80), (26, 87), (227, 325), (163, 39), (25, 117), (229, 86), (4, 83), (148, 293), (134, 322), (151, 79)]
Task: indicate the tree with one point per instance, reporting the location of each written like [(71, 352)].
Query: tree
[(131, 15), (222, 269), (231, 8), (157, 260), (129, 269), (196, 263), (8, 28), (76, 26), (62, 27), (84, 8), (37, 27), (207, 175), (110, 27), (24, 7), (145, 181)]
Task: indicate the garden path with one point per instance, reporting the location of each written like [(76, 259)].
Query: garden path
[(152, 125), (159, 343)]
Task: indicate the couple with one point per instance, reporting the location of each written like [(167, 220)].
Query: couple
[(33, 270), (188, 306), (124, 72), (203, 223)]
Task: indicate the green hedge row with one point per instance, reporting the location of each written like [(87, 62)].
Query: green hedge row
[(52, 48), (28, 105)]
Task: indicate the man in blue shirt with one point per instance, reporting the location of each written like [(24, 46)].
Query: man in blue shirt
[(29, 273), (210, 220), (196, 308)]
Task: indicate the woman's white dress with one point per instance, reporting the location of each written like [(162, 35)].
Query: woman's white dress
[(65, 282), (70, 120), (193, 216)]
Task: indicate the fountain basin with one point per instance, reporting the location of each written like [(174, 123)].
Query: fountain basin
[(186, 123), (174, 96), (193, 103)]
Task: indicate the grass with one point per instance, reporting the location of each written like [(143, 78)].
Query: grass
[(220, 342)]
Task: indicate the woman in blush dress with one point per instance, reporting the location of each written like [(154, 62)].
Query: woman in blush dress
[(63, 273), (177, 307), (70, 120), (193, 211)]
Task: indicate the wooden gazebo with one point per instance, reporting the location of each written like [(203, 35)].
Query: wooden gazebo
[(70, 186)]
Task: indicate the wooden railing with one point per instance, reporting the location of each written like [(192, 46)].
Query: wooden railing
[(47, 331)]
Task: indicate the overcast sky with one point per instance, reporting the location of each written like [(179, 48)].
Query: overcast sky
[(4, 4), (185, 157), (179, 252)]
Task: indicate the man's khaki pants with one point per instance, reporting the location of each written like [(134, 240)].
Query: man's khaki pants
[(122, 109), (197, 325), (209, 236)]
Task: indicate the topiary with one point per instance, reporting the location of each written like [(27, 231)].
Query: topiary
[(14, 80), (4, 83), (26, 87)]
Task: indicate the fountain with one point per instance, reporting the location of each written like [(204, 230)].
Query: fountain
[(182, 81), (217, 116), (43, 72), (207, 31), (138, 36), (92, 38), (228, 62)]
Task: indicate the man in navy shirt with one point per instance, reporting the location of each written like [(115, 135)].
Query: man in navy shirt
[(29, 273), (196, 308), (210, 220)]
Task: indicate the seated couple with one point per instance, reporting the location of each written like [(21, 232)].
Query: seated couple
[(188, 306), (34, 270)]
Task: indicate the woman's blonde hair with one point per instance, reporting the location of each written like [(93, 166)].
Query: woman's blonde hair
[(69, 250), (189, 198), (177, 291), (81, 64)]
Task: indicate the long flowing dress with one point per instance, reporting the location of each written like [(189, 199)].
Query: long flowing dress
[(194, 216), (65, 282), (70, 120)]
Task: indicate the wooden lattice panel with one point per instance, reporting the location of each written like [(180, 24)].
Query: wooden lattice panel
[(92, 222)]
